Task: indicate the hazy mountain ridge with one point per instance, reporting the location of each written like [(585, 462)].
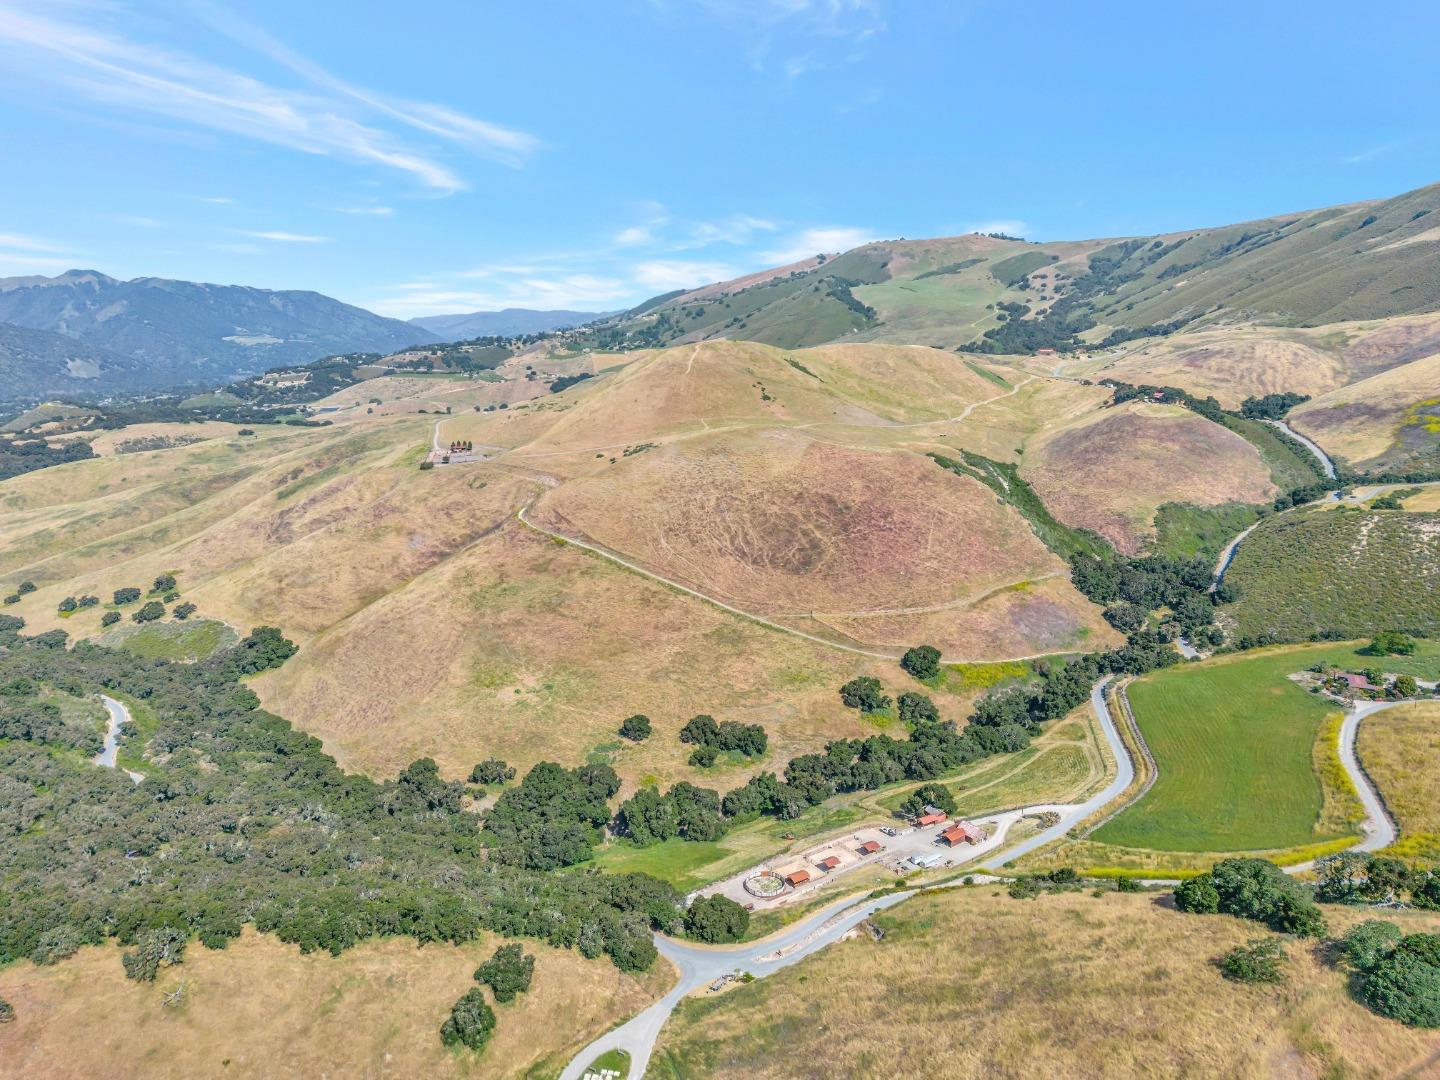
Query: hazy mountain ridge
[(178, 333), (507, 322)]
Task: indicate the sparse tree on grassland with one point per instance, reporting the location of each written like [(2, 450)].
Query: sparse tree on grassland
[(508, 972), (471, 1022)]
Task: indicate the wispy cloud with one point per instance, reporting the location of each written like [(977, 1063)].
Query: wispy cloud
[(282, 237), (810, 35), (665, 275), (1368, 155), (634, 236), (368, 211), (576, 292), (27, 243), (21, 253), (825, 239), (100, 64), (217, 200)]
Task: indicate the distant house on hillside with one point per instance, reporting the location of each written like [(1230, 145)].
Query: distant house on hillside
[(1360, 682)]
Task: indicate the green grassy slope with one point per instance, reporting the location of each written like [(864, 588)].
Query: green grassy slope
[(1352, 571), (1369, 260)]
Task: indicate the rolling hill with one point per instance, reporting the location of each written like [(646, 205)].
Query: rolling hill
[(1368, 260), (173, 333)]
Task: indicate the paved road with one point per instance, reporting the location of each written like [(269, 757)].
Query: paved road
[(1227, 555), (119, 714), (1379, 827), (699, 966), (1124, 776), (1325, 463)]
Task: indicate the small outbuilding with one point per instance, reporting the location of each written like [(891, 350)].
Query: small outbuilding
[(830, 862), (962, 832), (797, 878), (930, 819), (869, 847)]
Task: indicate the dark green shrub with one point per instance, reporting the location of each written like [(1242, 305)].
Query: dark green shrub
[(917, 709), (125, 596), (508, 972), (864, 692), (492, 771), (110, 618), (936, 795), (922, 662), (1198, 896), (151, 611), (635, 728), (471, 1022), (1257, 961), (716, 920)]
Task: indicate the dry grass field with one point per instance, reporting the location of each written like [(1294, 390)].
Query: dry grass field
[(1113, 469), (1389, 415), (783, 524), (971, 983), (260, 1009), (1236, 362), (1400, 749)]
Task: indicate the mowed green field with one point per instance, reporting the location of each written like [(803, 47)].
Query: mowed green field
[(1234, 741)]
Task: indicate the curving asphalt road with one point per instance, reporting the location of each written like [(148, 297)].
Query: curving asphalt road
[(698, 965), (119, 714), (1077, 812), (1326, 464)]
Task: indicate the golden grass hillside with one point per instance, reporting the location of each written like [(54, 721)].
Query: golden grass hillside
[(1236, 362), (1400, 749), (781, 523), (1388, 416), (432, 622), (1113, 469), (970, 983), (260, 1009)]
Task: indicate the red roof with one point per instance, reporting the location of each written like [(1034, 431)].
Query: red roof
[(799, 877), (961, 830), (1360, 682), (929, 819), (829, 862), (869, 847)]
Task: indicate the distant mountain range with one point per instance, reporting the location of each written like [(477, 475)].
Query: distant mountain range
[(84, 332), (508, 322)]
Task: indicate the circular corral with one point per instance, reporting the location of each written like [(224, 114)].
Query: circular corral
[(766, 884)]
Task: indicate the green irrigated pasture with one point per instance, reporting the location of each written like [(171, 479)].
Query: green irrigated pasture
[(1234, 740)]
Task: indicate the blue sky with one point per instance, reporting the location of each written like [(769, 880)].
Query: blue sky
[(445, 156)]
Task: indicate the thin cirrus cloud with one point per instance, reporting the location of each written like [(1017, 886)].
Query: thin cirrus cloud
[(24, 254), (280, 236), (102, 66), (822, 240)]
